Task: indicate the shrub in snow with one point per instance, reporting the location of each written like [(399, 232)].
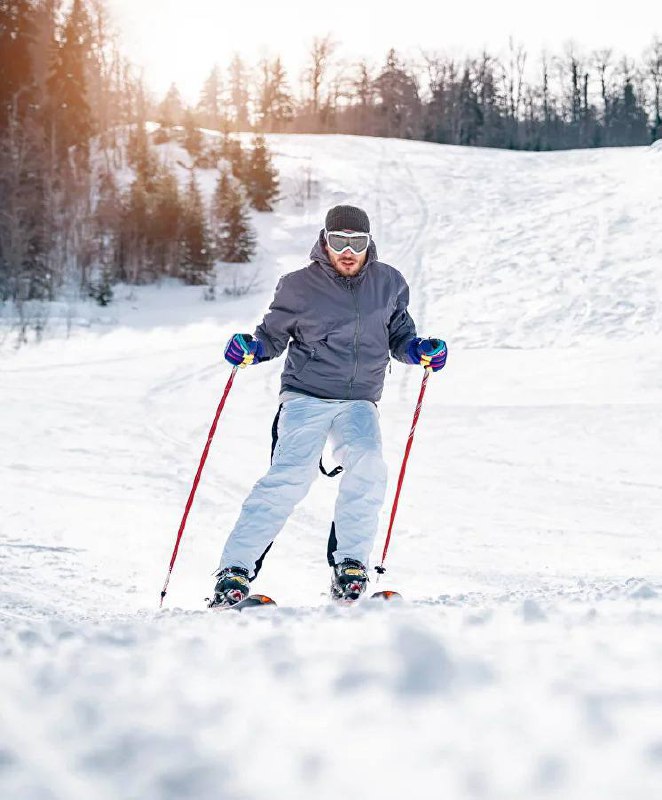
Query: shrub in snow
[(101, 290)]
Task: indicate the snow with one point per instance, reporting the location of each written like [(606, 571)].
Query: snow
[(528, 662)]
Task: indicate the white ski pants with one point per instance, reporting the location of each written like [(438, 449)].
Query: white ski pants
[(304, 425)]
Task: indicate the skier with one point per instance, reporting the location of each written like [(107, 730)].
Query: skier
[(340, 316)]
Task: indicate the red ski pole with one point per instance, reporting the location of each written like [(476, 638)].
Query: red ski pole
[(381, 569), (196, 481)]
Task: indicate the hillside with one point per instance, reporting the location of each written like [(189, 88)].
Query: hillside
[(528, 662)]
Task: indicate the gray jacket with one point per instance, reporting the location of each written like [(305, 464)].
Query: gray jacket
[(340, 330)]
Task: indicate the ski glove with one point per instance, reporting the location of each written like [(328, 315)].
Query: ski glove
[(427, 352), (243, 349)]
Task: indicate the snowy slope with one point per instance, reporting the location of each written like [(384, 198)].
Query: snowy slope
[(529, 664)]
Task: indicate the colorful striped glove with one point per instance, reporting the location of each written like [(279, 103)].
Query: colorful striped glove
[(427, 352), (242, 350)]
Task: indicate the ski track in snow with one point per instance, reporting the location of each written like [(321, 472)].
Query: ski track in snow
[(527, 662)]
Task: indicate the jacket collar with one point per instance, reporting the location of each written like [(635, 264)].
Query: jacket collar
[(319, 254)]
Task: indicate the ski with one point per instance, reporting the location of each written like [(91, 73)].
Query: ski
[(386, 595), (252, 601), (261, 600)]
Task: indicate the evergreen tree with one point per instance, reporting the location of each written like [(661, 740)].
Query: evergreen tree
[(234, 239), (141, 156), (636, 123), (71, 115), (17, 33), (210, 106), (398, 93), (196, 256), (166, 221), (193, 139), (24, 269), (238, 95), (108, 228), (135, 223), (171, 109), (628, 123), (232, 152), (261, 177)]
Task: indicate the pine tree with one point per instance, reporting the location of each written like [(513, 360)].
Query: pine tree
[(196, 256), (135, 222), (141, 156), (171, 110), (17, 32), (210, 106), (238, 94), (108, 228), (72, 118), (24, 269), (398, 93), (233, 153), (261, 177), (166, 221), (193, 139), (234, 239), (636, 123)]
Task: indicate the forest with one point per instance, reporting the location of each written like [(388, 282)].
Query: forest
[(569, 100), (87, 199)]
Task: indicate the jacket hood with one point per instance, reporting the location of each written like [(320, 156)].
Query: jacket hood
[(319, 254)]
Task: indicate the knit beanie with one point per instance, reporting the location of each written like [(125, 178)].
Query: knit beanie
[(347, 218)]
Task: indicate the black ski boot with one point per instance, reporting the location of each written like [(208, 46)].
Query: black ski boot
[(231, 587), (349, 581)]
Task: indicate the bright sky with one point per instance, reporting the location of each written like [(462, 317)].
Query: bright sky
[(179, 40)]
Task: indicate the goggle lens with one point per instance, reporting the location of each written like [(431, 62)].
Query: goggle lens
[(339, 242)]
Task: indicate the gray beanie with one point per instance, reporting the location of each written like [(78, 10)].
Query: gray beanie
[(347, 218)]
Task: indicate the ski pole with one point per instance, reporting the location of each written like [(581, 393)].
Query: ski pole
[(196, 481), (381, 569)]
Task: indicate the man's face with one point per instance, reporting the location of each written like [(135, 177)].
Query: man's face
[(347, 263)]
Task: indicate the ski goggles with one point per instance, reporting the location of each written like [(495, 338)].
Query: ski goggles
[(339, 241)]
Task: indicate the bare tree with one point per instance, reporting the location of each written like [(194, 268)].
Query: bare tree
[(516, 65), (274, 105), (654, 67), (602, 61), (363, 92), (320, 55)]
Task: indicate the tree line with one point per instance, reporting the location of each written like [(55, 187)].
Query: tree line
[(85, 197), (562, 101)]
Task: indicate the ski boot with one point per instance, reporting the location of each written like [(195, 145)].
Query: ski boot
[(348, 582), (231, 587)]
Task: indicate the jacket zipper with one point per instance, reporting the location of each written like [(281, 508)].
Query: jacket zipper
[(356, 340)]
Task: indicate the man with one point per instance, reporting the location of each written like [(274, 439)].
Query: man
[(340, 316)]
